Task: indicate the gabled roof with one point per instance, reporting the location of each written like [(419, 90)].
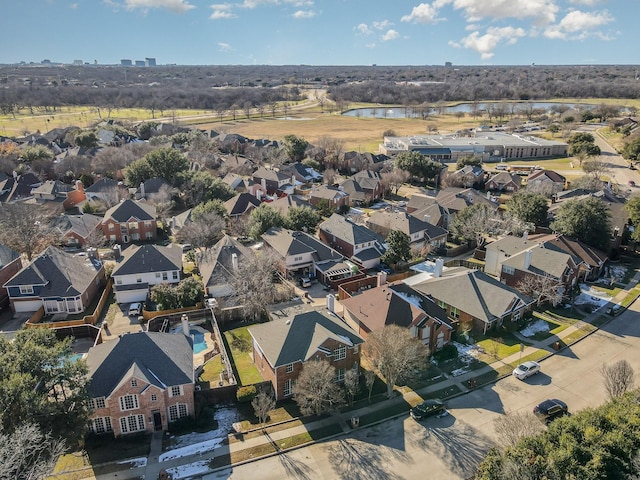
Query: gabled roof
[(355, 191), (455, 199), (149, 258), (241, 203), (419, 202), (61, 273), (151, 186), (545, 260), (283, 204), (393, 304), (102, 185), (348, 231), (160, 359), (589, 255), (475, 293), (367, 179), (19, 187), (182, 219), (235, 181), (503, 178), (130, 209), (297, 339), (288, 243), (52, 187), (550, 174), (216, 264), (474, 170), (398, 221), (270, 174), (7, 255), (329, 193), (81, 225)]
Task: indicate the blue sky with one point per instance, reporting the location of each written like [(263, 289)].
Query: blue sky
[(322, 32)]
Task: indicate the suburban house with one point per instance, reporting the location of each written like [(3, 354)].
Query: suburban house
[(238, 183), (468, 176), (153, 186), (354, 241), (10, 264), (363, 187), (541, 260), (140, 267), (283, 204), (106, 190), (472, 299), (58, 281), (56, 191), (283, 346), (219, 265), (181, 220), (272, 180), (18, 187), (427, 208), (455, 199), (546, 181), (130, 221), (398, 304), (301, 173), (75, 230), (241, 205), (420, 232), (306, 255), (504, 182), (140, 382), (336, 197)]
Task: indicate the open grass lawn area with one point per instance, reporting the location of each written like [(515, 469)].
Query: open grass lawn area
[(560, 315), (285, 411), (498, 347), (238, 341), (389, 411), (555, 327), (631, 297), (611, 291), (212, 370)]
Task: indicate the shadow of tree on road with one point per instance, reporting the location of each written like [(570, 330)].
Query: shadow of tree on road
[(356, 460), (295, 468)]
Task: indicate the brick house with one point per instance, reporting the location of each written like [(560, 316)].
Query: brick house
[(56, 191), (398, 304), (504, 182), (58, 281), (10, 264), (283, 346), (75, 230), (130, 221), (546, 181), (140, 382), (336, 197)]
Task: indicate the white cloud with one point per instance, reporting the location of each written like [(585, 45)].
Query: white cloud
[(363, 29), (223, 47), (542, 12), (259, 3), (73, 6), (423, 13), (304, 14), (176, 6), (589, 3), (390, 35), (578, 25), (381, 25), (486, 44), (221, 11)]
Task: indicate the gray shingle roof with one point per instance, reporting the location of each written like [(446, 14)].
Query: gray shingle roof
[(149, 258), (61, 273), (7, 255), (545, 259), (398, 221), (130, 209), (241, 203), (289, 340), (348, 231), (287, 242), (102, 185), (216, 264), (81, 225), (161, 359)]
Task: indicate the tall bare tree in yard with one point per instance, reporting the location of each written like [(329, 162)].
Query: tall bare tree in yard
[(369, 380), (25, 228), (262, 404), (543, 288), (394, 179), (618, 378), (513, 426), (351, 384), (203, 232), (316, 391), (396, 354)]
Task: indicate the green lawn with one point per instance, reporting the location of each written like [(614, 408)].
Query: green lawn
[(499, 347), (212, 370), (239, 343), (555, 327)]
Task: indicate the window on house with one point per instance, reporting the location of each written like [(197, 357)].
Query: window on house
[(134, 423), (99, 402), (288, 387), (454, 312), (516, 315), (176, 391), (134, 382), (177, 411), (112, 238), (147, 223), (165, 275), (297, 259), (132, 225), (289, 368), (174, 275), (441, 304), (102, 425), (112, 227), (26, 289), (340, 353), (148, 235), (135, 236), (508, 270), (154, 397), (128, 402), (339, 375), (118, 281), (158, 275), (139, 280)]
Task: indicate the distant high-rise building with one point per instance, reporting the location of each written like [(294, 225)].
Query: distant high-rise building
[(78, 62), (126, 62), (150, 62), (140, 63), (448, 64), (46, 61)]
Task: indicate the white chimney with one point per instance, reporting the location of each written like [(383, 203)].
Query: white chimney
[(142, 189), (427, 218), (527, 259), (525, 235), (437, 272), (172, 222), (293, 180), (234, 261), (263, 182), (331, 303), (185, 325), (488, 195), (117, 252), (15, 174), (382, 278)]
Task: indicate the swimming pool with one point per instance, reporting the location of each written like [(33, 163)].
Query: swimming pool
[(199, 343)]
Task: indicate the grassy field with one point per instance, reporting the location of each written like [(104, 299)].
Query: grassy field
[(239, 342)]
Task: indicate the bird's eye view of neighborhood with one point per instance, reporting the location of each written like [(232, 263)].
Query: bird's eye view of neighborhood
[(305, 240)]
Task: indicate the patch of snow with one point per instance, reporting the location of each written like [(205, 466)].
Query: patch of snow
[(535, 327), (135, 462), (468, 350), (592, 296), (198, 443), (459, 371), (188, 471)]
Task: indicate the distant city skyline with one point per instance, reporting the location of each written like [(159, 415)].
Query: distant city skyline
[(322, 32)]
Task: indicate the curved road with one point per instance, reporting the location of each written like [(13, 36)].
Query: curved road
[(451, 447)]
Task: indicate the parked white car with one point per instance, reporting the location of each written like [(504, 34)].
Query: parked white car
[(526, 369), (135, 309)]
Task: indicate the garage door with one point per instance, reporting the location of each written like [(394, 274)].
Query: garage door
[(129, 296), (27, 306)]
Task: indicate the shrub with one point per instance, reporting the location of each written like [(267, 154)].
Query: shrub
[(246, 394), (447, 352)]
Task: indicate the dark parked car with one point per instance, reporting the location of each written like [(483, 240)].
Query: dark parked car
[(427, 408), (615, 310), (549, 410)]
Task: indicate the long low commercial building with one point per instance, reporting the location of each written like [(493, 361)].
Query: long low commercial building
[(490, 147)]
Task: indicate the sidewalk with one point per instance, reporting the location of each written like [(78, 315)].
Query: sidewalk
[(152, 469)]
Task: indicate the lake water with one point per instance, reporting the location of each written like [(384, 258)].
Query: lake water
[(410, 112)]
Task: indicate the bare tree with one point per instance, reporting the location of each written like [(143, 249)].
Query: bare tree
[(512, 426), (29, 454), (329, 176), (96, 238), (369, 380), (204, 231), (316, 391), (163, 201), (396, 354), (543, 288), (394, 180), (26, 228), (262, 405), (351, 384), (618, 377)]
